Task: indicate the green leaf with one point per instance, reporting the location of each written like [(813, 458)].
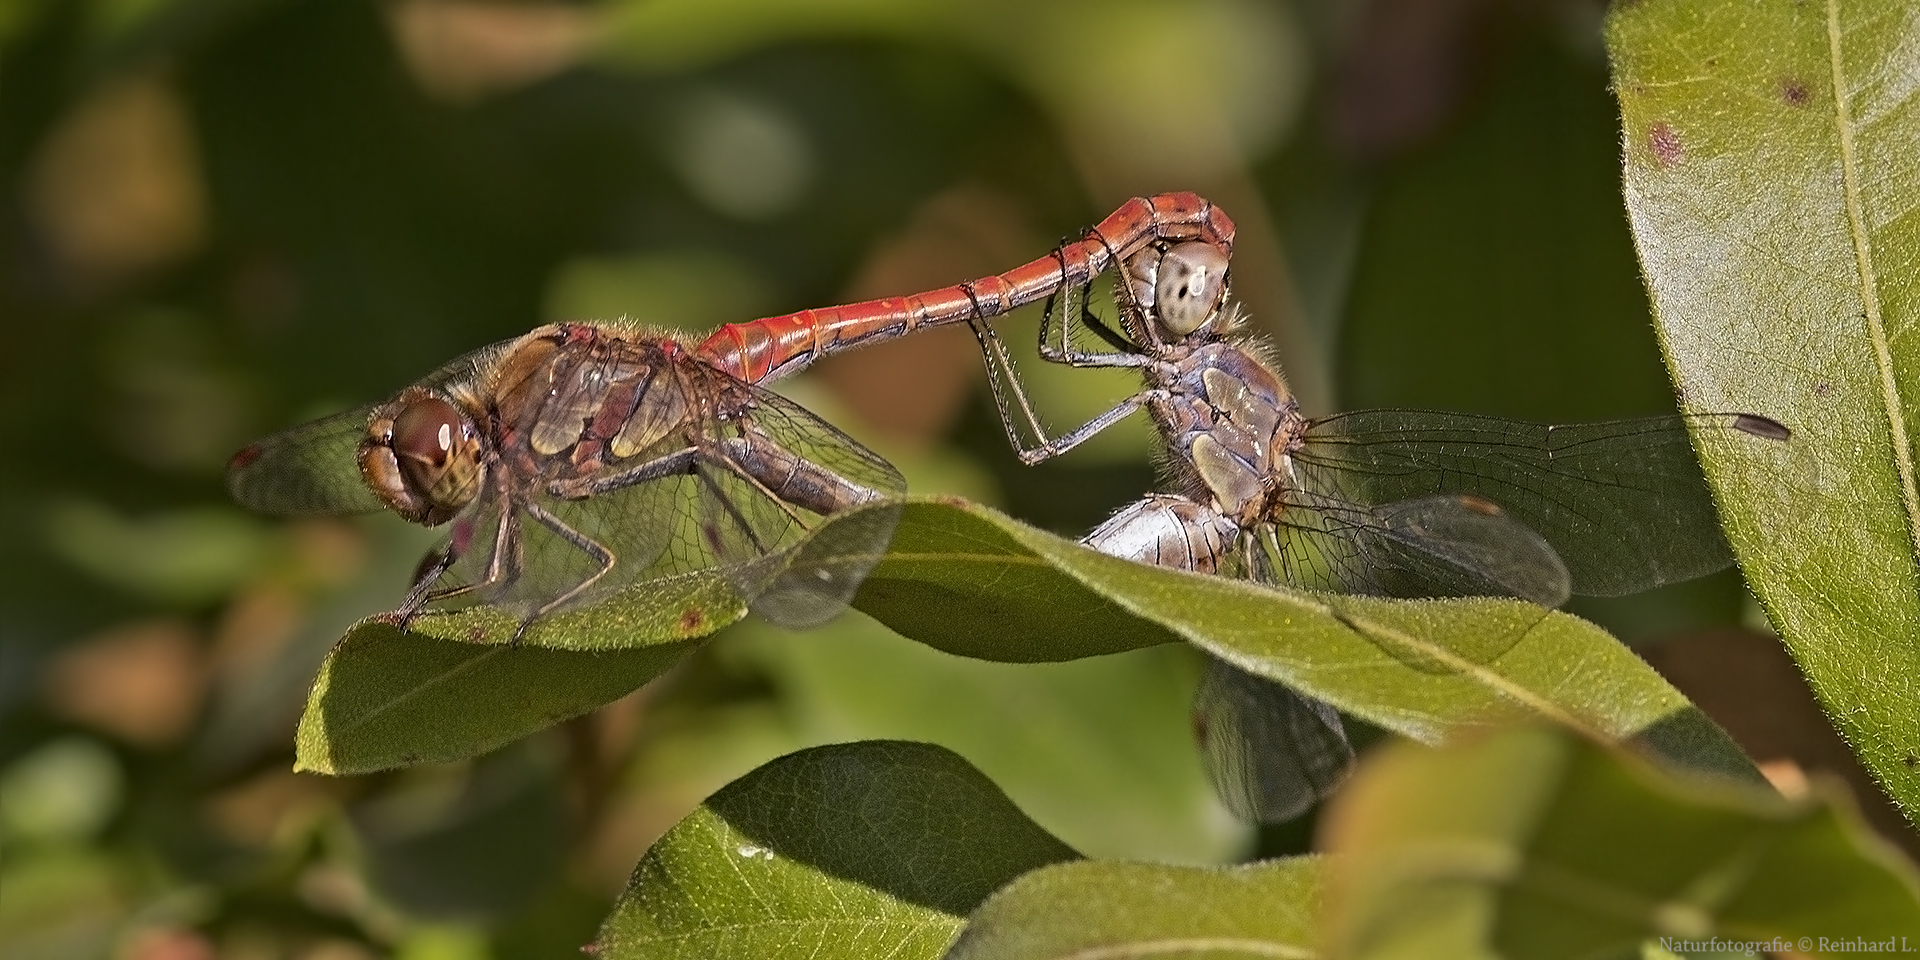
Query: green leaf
[(1422, 668), (1099, 751), (1770, 175), (856, 850), (971, 581), (451, 686), (1532, 843), (1109, 909)]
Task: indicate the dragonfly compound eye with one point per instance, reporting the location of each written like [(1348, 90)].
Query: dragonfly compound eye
[(422, 459), (1192, 283)]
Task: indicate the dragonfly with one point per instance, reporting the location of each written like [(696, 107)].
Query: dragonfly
[(1408, 503), (583, 458)]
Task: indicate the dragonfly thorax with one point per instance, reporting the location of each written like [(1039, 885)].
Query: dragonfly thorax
[(422, 457), (1234, 426)]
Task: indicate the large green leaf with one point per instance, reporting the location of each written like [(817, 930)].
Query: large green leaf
[(451, 686), (969, 580), (1422, 668), (1108, 909), (1532, 843), (1770, 177), (856, 850)]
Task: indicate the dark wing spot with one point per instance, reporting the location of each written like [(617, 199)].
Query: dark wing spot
[(1664, 141), (1911, 761), (1765, 428), (1795, 92), (246, 456), (1822, 388)]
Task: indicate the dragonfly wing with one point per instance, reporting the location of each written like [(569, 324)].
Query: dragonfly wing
[(1434, 546), (309, 470), (1623, 503), (1270, 752), (582, 550), (770, 475)]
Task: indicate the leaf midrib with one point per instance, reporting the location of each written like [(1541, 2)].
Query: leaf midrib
[(1869, 284)]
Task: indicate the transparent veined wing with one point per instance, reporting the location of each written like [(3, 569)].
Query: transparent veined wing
[(308, 470), (1270, 752), (1622, 503), (770, 474)]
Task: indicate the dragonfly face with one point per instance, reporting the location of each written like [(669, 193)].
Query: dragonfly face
[(422, 457), (1178, 291)]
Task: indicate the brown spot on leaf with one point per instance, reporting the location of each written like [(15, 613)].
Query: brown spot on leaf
[(1664, 141), (1794, 92), (693, 620)]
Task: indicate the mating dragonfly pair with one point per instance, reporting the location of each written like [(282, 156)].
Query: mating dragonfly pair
[(585, 458)]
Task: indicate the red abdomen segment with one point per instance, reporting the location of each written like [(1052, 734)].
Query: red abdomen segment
[(776, 346)]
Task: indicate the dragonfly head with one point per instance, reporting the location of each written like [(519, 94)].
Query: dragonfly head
[(1182, 289), (422, 456)]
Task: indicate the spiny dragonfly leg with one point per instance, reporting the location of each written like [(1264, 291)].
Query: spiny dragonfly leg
[(1005, 382), (1123, 354), (581, 541), (677, 462), (1050, 447), (1002, 378), (417, 596), (503, 568)]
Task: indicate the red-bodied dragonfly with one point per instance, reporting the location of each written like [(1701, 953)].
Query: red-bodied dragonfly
[(582, 458), (1385, 502)]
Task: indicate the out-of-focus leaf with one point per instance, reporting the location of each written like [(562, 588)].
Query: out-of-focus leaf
[(1771, 179), (1531, 843), (857, 850), (183, 557), (1159, 123), (1110, 909), (487, 848), (1098, 751)]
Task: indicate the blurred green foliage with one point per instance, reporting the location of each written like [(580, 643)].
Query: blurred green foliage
[(222, 216)]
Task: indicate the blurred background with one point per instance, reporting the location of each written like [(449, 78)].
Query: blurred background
[(221, 217)]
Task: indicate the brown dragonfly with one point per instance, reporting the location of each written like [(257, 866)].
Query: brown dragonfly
[(585, 458)]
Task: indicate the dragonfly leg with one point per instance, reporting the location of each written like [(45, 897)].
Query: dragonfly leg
[(417, 596), (502, 569), (1050, 447), (587, 545), (1124, 353), (1006, 384), (677, 462)]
